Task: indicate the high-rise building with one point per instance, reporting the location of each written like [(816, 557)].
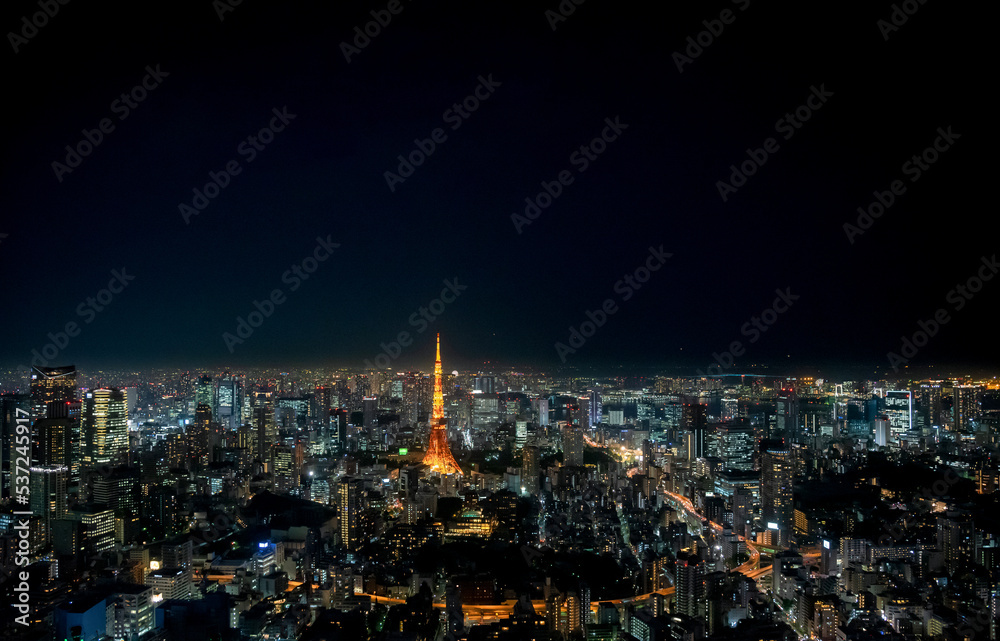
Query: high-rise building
[(53, 441), (51, 389), (883, 434), (369, 412), (228, 409), (543, 412), (204, 391), (689, 573), (776, 479), (594, 407), (956, 539), (264, 427), (199, 437), (529, 468), (119, 491), (572, 444), (929, 397), (899, 410), (104, 427), (787, 412), (730, 409), (966, 407), (349, 505), (736, 444), (48, 495)]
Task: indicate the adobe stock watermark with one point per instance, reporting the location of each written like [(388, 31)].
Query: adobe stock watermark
[(456, 115), (121, 106), (580, 159), (626, 286), (753, 329), (913, 169), (786, 126), (958, 296), (294, 276), (697, 44), (363, 35), (565, 9), (30, 27), (222, 7), (421, 320), (247, 148), (898, 17), (88, 310)]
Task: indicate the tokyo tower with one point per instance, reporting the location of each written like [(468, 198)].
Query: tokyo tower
[(439, 458)]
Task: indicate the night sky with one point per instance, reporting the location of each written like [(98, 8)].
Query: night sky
[(551, 91)]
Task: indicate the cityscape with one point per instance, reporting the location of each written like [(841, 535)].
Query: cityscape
[(506, 505), (558, 321)]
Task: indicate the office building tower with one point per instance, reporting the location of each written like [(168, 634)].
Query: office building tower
[(899, 411), (543, 412), (776, 488), (204, 391), (228, 409), (52, 388), (104, 427), (736, 444)]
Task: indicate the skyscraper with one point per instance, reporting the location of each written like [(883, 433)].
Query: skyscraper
[(572, 438), (776, 478), (48, 494), (690, 583), (104, 427), (204, 391), (228, 409), (899, 410), (439, 457), (966, 407), (736, 444), (52, 387), (349, 503), (787, 410)]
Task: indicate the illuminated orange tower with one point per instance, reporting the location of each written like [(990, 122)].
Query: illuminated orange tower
[(439, 458)]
